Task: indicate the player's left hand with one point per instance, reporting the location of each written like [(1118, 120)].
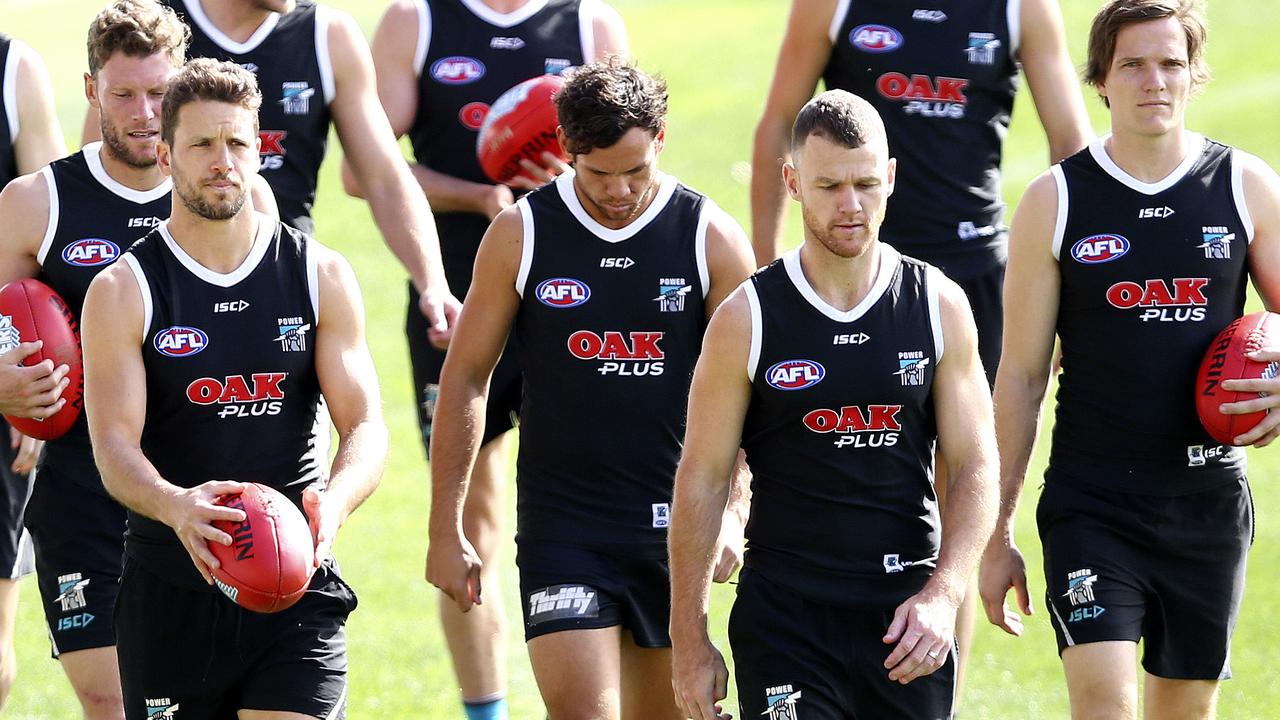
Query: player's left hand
[(1268, 390), (441, 310), (923, 629), (551, 168), (699, 679), (28, 451), (730, 544), (325, 521)]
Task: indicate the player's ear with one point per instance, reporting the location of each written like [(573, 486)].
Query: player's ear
[(163, 160), (791, 178), (91, 91), (660, 139), (564, 142), (890, 176)]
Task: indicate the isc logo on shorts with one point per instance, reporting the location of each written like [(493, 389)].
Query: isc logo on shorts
[(875, 38), (90, 252), (795, 374), (180, 341), (457, 70), (1097, 249), (562, 292)]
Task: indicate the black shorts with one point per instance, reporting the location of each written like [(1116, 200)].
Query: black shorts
[(796, 658), (198, 651), (985, 293), (565, 587), (78, 535), (427, 360), (1167, 570), (16, 559)]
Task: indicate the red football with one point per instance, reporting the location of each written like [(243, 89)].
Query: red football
[(1225, 360), (521, 124), (29, 311), (267, 567)]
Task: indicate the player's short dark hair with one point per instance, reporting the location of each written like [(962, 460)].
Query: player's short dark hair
[(1118, 14), (206, 79), (137, 28), (602, 100), (839, 116)]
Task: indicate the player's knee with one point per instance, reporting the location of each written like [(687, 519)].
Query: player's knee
[(1101, 700)]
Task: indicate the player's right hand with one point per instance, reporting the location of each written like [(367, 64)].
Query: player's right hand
[(1003, 567), (191, 513), (31, 392), (27, 451), (453, 565), (699, 679)]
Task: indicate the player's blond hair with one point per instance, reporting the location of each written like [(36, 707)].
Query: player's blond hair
[(137, 28), (1118, 14), (206, 79)]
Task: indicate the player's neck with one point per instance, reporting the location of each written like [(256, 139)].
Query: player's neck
[(1149, 158), (134, 178), (236, 19), (841, 282), (218, 245), (505, 6)]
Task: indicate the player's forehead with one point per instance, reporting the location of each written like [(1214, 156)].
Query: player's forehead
[(1151, 39), (636, 148), (214, 118), (821, 157), (147, 71)]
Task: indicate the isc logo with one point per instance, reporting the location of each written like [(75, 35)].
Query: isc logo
[(90, 252), (875, 38), (180, 341), (75, 622), (622, 262), (1155, 212), (795, 374), (1097, 249), (457, 70), (230, 306), (850, 338), (144, 222), (562, 292)]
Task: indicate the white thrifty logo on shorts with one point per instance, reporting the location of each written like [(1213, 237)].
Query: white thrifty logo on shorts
[(559, 602)]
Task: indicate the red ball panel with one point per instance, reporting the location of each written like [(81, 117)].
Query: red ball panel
[(268, 565), (30, 311), (1225, 360), (521, 124)]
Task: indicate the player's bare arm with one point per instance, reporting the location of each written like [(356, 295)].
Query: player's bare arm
[(349, 384), (923, 627), (1055, 87), (401, 212), (452, 563), (116, 404), (262, 198), (718, 400), (806, 48), (26, 391), (1031, 310), (1262, 196), (39, 140)]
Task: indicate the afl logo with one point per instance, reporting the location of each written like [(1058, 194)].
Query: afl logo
[(1097, 249), (875, 38), (457, 70), (90, 252), (472, 115), (563, 292), (180, 341), (795, 374)]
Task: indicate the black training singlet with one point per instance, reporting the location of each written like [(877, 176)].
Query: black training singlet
[(8, 109), (943, 77), (231, 380), (840, 433), (290, 55), (92, 220), (1151, 272), (609, 328), (467, 55)]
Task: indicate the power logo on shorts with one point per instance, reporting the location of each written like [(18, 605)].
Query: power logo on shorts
[(794, 374), (562, 292), (875, 38), (457, 70), (90, 252), (180, 341), (781, 702), (161, 709), (563, 602)]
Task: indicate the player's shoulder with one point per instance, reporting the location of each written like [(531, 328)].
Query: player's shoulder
[(25, 201)]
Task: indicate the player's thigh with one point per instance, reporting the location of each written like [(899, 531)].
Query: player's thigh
[(1165, 699), (579, 673), (1102, 680), (646, 682)]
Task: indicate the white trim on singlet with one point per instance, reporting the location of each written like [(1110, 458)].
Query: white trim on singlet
[(261, 243), (526, 245), (93, 158), (666, 188), (1060, 220), (1195, 147), (424, 36), (323, 60), (504, 20), (837, 19), (313, 278), (144, 287), (1237, 192), (1013, 16), (700, 244), (587, 29), (933, 277), (54, 214), (219, 38), (757, 328), (11, 89), (884, 273)]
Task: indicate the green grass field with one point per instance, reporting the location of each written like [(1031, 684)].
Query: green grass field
[(717, 56)]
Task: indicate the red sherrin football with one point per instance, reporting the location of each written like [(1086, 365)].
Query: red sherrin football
[(268, 564), (521, 124), (29, 311), (1225, 360)]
